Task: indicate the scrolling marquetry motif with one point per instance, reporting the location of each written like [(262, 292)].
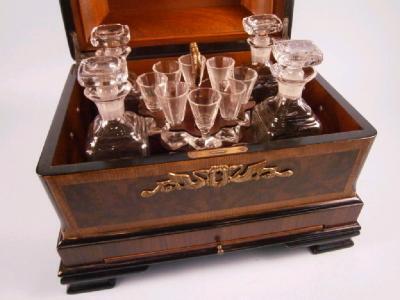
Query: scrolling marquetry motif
[(216, 176)]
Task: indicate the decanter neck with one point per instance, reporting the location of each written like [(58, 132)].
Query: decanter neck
[(109, 100), (121, 51), (260, 47), (112, 109), (290, 91), (291, 83)]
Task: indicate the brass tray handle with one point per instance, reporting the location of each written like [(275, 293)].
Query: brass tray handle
[(216, 176)]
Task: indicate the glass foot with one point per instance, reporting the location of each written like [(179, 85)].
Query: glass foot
[(230, 135), (174, 140), (245, 120), (152, 127), (205, 143)]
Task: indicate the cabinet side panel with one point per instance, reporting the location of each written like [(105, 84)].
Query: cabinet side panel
[(66, 219)]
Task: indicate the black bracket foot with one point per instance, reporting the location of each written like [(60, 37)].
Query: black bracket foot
[(317, 249), (90, 286), (97, 280)]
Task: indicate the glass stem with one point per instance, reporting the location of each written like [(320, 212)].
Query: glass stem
[(204, 134)]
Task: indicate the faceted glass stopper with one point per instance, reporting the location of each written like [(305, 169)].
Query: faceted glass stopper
[(297, 53), (112, 39), (105, 82), (289, 114), (263, 24), (101, 71)]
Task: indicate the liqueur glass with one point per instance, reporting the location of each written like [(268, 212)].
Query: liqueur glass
[(204, 103), (114, 133), (219, 69), (189, 70), (249, 77), (147, 83), (232, 98), (173, 98), (112, 40), (169, 68), (259, 27), (292, 117)]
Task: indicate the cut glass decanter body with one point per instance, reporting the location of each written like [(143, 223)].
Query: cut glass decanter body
[(287, 114), (259, 27), (114, 133)]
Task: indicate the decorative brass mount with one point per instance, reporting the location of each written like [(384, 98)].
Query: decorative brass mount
[(196, 62), (216, 176)]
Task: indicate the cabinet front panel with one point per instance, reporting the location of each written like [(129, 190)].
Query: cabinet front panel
[(142, 198)]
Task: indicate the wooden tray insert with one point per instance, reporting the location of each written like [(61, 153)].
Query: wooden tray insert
[(81, 111)]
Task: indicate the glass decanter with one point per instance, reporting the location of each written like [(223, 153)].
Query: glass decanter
[(259, 27), (114, 133), (289, 115), (112, 40)]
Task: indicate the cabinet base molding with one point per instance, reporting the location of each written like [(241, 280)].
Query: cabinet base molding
[(103, 275)]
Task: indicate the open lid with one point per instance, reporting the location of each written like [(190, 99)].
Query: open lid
[(164, 27)]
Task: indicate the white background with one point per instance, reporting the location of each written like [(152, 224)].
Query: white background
[(361, 43)]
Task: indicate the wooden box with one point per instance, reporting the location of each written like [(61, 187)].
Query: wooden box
[(119, 216)]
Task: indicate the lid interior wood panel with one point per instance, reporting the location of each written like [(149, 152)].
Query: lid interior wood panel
[(164, 22)]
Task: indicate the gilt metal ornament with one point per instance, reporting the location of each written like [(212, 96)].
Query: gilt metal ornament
[(216, 177)]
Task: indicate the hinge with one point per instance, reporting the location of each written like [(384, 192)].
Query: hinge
[(285, 29), (78, 54)]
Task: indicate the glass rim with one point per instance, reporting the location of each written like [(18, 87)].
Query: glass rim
[(254, 72), (205, 88), (166, 73), (139, 78), (243, 90), (121, 31), (202, 57), (232, 64), (186, 92)]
